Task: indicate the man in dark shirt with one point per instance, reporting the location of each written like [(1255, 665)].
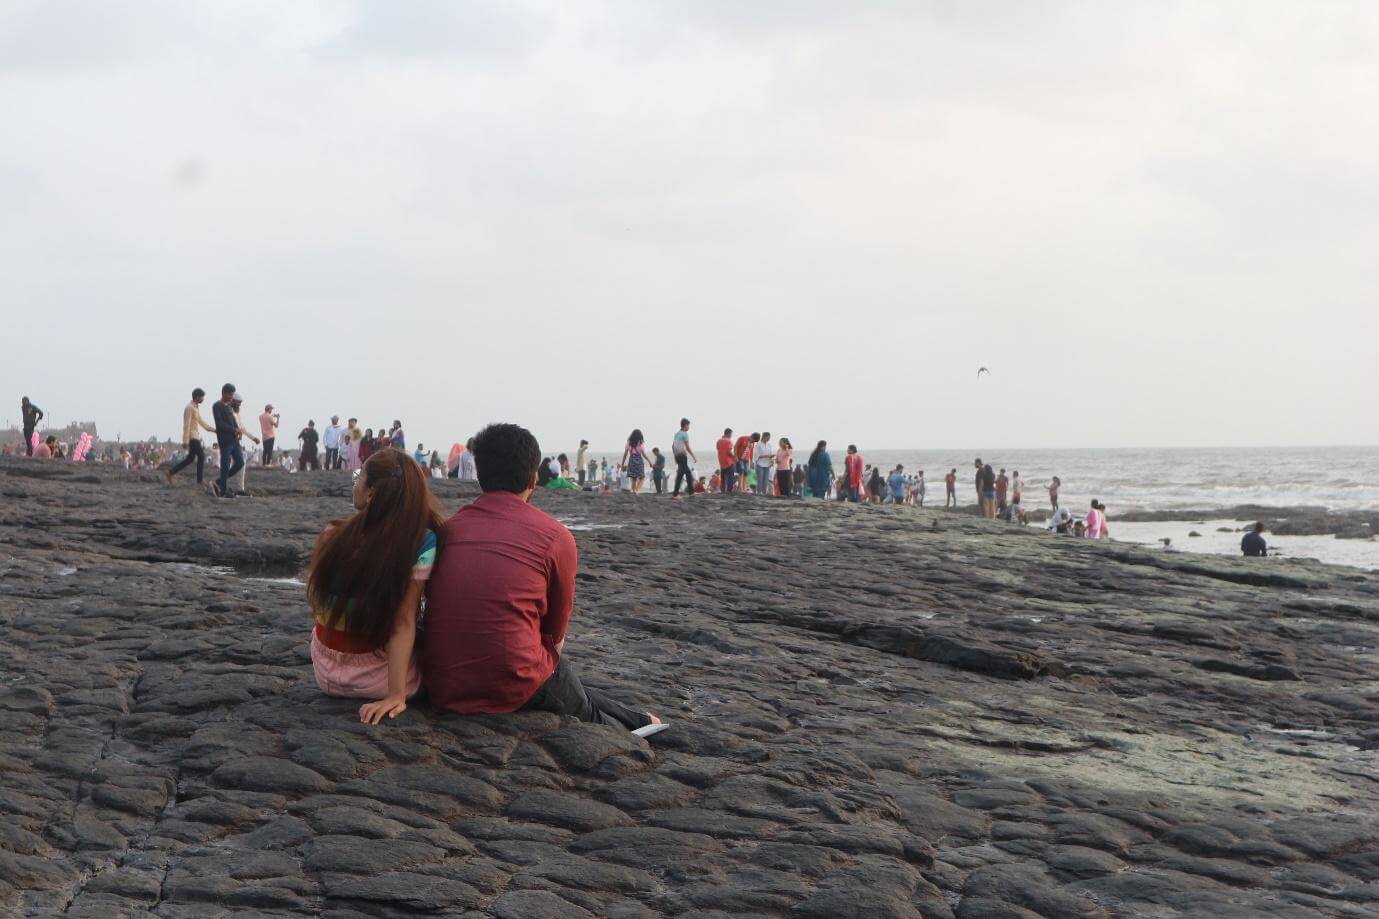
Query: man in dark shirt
[(500, 597), (32, 415), (227, 438), (1252, 544)]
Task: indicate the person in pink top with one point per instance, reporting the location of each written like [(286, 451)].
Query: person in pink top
[(785, 472), (268, 424), (1096, 521), (45, 448)]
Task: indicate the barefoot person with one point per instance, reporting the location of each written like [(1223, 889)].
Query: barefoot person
[(499, 602), (31, 415), (367, 576), (634, 459)]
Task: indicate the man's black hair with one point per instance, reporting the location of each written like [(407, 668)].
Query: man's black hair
[(506, 456), (727, 432), (683, 421), (227, 389), (198, 393)]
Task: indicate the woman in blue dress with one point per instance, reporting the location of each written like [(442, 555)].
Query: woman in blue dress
[(820, 471)]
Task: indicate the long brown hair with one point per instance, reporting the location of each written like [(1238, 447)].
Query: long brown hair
[(363, 564)]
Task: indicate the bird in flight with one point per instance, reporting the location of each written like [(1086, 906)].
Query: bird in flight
[(982, 370)]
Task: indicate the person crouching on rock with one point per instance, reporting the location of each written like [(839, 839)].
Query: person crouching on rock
[(500, 600), (365, 586)]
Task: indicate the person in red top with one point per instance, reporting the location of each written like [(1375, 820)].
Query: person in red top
[(499, 599), (852, 467), (727, 462), (743, 454)]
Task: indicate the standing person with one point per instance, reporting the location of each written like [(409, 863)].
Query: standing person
[(367, 575), (658, 470), (744, 449), (237, 404), (897, 484), (852, 474), (1002, 486), (227, 440), (580, 455), (268, 427), (32, 415), (499, 602), (986, 489), (349, 442), (727, 462), (1054, 486), (1017, 487), (765, 463), (396, 440), (919, 489), (309, 439), (876, 486), (634, 459), (820, 470), (1096, 521), (366, 447), (1252, 544), (680, 449), (419, 455), (469, 470), (331, 440), (950, 482), (785, 478), (192, 426)]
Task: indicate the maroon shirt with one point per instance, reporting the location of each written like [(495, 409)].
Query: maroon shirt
[(497, 604)]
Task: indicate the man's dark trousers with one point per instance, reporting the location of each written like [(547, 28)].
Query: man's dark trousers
[(231, 462), (564, 694)]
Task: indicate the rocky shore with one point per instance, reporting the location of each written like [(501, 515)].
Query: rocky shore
[(876, 712)]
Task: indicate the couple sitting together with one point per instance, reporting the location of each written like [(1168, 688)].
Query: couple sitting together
[(499, 584)]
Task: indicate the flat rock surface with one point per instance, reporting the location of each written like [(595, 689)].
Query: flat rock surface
[(876, 712)]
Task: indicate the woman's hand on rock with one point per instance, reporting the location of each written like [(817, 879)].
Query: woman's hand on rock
[(374, 712)]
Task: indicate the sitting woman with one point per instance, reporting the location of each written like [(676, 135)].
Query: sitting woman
[(365, 586)]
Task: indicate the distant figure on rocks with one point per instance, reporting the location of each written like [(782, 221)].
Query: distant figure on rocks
[(684, 455), (1017, 487), (852, 474), (268, 427), (727, 462), (1061, 521), (237, 404), (658, 470), (765, 464), (820, 471), (351, 439), (331, 440), (785, 473), (1054, 486), (192, 426), (468, 469), (227, 440), (1096, 521), (1252, 543), (1002, 488), (396, 439), (31, 415), (499, 602), (365, 585), (896, 481), (580, 454), (309, 438), (47, 449), (986, 489), (634, 459), (950, 482)]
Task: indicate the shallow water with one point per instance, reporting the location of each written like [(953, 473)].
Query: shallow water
[(1357, 552)]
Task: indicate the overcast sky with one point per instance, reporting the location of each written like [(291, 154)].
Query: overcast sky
[(1156, 224)]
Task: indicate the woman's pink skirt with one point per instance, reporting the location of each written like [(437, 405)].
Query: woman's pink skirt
[(356, 676)]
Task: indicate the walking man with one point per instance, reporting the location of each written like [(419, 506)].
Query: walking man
[(950, 481), (192, 426), (32, 416), (268, 426), (332, 441), (227, 439), (680, 449)]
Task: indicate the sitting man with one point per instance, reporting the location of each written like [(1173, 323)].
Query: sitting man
[(500, 597), (1252, 544)]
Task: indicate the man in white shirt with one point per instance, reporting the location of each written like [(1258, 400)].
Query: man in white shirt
[(331, 439), (579, 461), (766, 463)]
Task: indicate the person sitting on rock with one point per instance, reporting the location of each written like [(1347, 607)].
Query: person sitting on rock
[(365, 586), (1252, 543), (499, 602)]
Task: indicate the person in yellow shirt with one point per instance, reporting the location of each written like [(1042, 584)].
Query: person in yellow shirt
[(192, 425)]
